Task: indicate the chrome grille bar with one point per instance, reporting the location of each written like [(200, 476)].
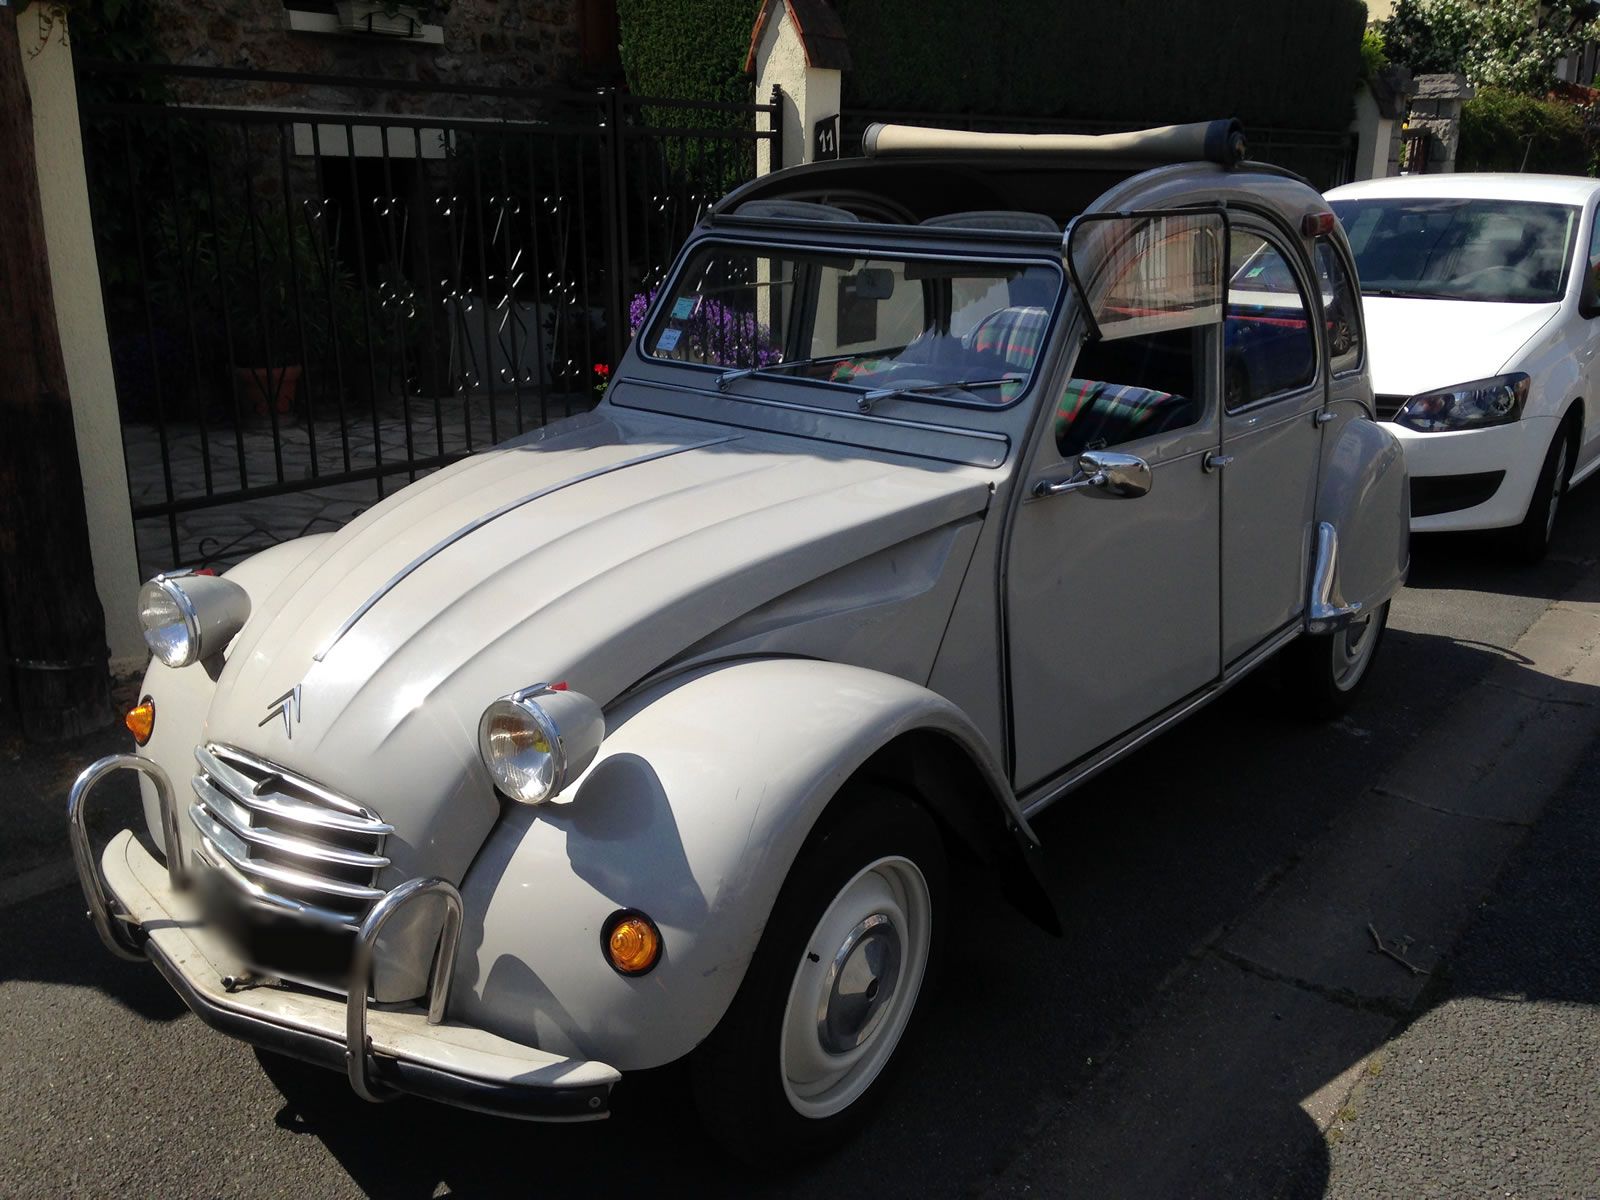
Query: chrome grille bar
[(237, 852), (286, 841), (255, 794), (220, 808)]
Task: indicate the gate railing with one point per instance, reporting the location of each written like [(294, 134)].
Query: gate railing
[(317, 284)]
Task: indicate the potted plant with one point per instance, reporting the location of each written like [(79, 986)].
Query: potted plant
[(390, 18)]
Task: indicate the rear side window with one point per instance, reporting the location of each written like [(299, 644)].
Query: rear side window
[(1341, 308), (1270, 345)]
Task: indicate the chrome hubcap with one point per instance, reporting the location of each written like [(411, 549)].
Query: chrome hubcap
[(1352, 648), (855, 987), (865, 972)]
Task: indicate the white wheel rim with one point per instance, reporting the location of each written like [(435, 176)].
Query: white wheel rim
[(1352, 651), (855, 987)]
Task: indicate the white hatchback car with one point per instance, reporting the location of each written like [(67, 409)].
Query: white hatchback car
[(1480, 298)]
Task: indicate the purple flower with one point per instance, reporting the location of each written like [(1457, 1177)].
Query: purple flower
[(714, 333)]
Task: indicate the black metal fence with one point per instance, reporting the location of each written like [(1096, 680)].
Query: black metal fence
[(1325, 158), (317, 285)]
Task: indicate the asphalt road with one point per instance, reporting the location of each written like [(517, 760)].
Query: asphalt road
[(107, 1086), (1495, 1088)]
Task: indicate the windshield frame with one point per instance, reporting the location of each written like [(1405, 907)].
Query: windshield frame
[(866, 239), (1575, 213)]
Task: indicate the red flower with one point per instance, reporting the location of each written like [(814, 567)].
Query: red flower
[(603, 370)]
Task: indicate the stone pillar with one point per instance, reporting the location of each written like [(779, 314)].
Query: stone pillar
[(1380, 107), (1436, 111), (80, 314), (798, 45)]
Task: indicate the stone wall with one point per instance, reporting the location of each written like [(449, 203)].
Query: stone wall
[(525, 43)]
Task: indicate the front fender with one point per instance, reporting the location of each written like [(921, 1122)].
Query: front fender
[(183, 695), (693, 812), (1365, 498)]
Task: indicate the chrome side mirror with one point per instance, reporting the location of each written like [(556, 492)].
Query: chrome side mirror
[(1103, 473)]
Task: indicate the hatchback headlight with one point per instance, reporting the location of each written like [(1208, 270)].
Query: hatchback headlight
[(1475, 405), (538, 740), (186, 618)]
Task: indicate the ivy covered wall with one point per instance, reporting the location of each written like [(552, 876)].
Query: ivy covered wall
[(1285, 63)]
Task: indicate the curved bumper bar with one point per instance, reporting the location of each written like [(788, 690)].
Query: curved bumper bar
[(1328, 612), (358, 1047), (117, 937)]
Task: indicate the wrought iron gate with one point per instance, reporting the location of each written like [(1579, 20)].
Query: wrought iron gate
[(316, 286)]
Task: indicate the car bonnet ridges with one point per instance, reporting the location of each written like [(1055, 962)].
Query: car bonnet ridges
[(472, 527)]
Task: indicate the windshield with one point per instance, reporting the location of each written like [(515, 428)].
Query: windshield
[(1506, 251), (936, 330)]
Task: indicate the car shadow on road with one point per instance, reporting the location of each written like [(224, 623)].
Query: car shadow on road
[(1031, 1039)]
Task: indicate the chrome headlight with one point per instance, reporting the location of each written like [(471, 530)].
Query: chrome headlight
[(1475, 405), (538, 740), (186, 618)]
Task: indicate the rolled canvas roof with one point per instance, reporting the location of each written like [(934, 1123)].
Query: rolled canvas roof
[(1205, 141)]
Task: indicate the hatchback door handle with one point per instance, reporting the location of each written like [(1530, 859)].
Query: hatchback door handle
[(1214, 461)]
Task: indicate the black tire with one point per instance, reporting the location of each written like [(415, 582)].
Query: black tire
[(1325, 672), (741, 1086), (1530, 541)]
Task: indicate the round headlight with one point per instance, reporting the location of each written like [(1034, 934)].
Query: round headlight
[(186, 618), (538, 740), (171, 625)]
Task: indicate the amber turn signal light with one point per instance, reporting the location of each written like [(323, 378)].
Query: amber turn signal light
[(632, 942), (141, 720)]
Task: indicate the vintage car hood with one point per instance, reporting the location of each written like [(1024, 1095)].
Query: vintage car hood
[(644, 535), (1416, 345)]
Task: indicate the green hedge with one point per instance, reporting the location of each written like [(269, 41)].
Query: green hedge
[(1285, 63), (687, 49), (1502, 131)]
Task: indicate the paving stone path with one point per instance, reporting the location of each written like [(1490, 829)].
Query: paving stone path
[(291, 453)]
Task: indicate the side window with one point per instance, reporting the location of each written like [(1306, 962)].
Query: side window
[(1341, 306), (1131, 388), (1153, 284), (1269, 343)]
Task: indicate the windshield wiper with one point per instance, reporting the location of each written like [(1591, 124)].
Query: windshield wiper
[(728, 377), (866, 402)]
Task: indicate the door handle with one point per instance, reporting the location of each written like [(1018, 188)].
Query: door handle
[(1323, 417), (1214, 461)]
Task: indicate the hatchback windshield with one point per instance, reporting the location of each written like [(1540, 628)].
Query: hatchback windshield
[(1459, 249), (941, 330)]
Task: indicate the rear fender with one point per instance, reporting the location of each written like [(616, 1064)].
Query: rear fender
[(702, 795), (1362, 548)]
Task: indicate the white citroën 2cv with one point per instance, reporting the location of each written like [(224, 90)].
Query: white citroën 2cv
[(934, 481)]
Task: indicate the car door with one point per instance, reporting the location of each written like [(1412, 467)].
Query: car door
[(1588, 320), (1112, 603), (1274, 394)]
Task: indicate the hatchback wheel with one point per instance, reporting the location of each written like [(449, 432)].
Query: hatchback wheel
[(1530, 541), (833, 986)]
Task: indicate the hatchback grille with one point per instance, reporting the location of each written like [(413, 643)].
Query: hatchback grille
[(1389, 406), (285, 841)]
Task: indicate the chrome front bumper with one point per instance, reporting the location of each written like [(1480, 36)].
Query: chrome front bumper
[(144, 911)]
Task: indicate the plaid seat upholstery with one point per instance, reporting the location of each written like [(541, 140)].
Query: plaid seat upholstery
[(1015, 333), (1093, 414)]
